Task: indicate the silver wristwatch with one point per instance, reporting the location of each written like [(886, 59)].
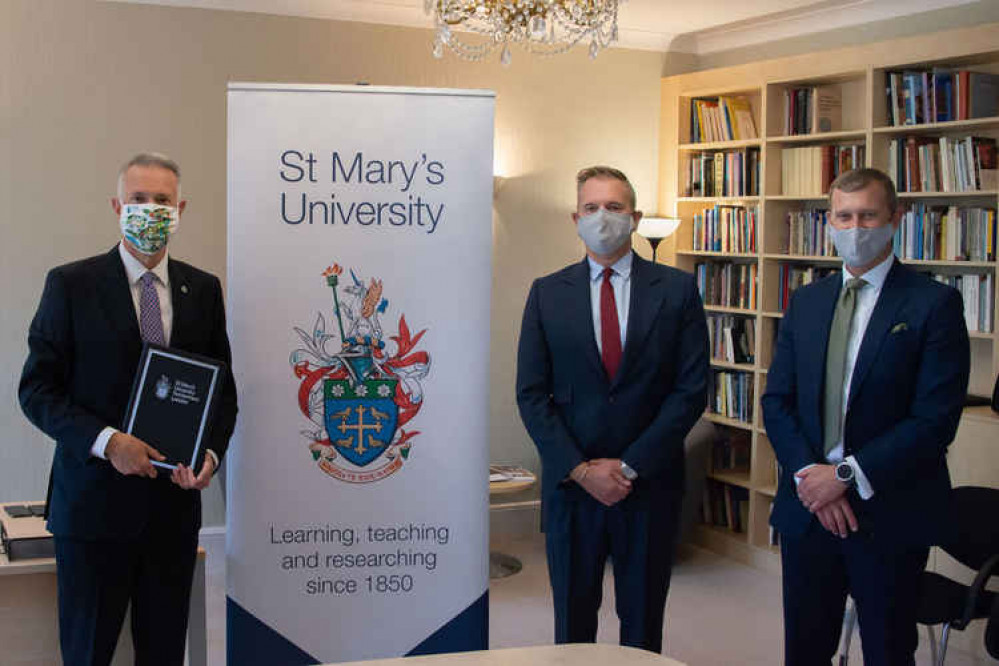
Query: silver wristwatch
[(845, 473), (628, 473)]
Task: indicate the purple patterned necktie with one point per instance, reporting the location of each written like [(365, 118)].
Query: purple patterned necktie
[(150, 319)]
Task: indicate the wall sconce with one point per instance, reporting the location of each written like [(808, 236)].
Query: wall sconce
[(655, 229)]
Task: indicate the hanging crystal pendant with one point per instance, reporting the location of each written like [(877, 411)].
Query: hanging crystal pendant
[(506, 57), (438, 49), (594, 50)]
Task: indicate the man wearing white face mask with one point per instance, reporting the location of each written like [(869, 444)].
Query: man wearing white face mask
[(124, 537), (611, 375), (863, 397)]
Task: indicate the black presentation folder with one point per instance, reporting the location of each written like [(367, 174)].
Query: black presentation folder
[(173, 399)]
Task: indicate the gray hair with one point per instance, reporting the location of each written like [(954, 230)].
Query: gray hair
[(601, 171), (858, 179), (148, 160)]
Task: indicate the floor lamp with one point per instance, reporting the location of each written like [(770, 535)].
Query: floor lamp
[(655, 229)]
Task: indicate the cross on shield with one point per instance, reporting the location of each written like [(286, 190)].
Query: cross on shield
[(361, 417)]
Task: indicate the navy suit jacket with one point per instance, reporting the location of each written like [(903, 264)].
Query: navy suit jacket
[(84, 347), (905, 401), (571, 410)]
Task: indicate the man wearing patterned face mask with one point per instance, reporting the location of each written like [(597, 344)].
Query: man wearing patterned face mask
[(611, 375), (863, 397), (123, 536)]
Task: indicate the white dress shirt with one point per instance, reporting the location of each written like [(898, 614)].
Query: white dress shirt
[(867, 298), (621, 284), (134, 270)]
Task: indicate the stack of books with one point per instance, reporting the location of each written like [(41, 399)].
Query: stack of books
[(943, 164), (940, 95), (725, 506), (979, 294), (808, 233), (809, 170), (813, 109), (726, 229), (732, 338), (791, 277), (727, 285), (721, 119), (946, 233), (730, 394), (734, 173)]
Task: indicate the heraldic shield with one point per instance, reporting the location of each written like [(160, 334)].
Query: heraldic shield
[(361, 417)]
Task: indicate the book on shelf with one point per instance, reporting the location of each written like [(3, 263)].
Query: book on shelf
[(809, 170), (813, 109), (732, 338), (792, 276), (732, 173), (499, 472), (943, 164), (807, 233), (946, 233), (726, 229), (730, 394), (978, 291), (727, 284), (721, 118), (725, 505), (730, 451), (939, 95)]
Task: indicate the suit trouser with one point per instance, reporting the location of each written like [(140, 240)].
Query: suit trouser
[(820, 569), (638, 536), (97, 580)]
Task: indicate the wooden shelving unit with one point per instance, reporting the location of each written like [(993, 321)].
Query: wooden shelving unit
[(859, 72)]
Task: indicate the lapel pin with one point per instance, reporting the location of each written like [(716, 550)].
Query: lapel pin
[(183, 288), (898, 328)]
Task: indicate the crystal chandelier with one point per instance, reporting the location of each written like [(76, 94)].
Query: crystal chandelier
[(544, 27)]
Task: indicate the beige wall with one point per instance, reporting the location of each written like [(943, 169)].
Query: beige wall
[(84, 84)]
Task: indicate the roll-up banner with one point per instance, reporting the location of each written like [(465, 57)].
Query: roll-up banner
[(359, 274)]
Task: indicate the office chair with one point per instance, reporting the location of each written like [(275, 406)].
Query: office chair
[(973, 540)]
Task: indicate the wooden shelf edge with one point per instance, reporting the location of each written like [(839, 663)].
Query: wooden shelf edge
[(818, 136), (719, 145), (732, 478), (726, 421), (971, 123), (730, 365), (947, 195)]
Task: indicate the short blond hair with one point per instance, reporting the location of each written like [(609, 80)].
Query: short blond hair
[(858, 179), (601, 171)]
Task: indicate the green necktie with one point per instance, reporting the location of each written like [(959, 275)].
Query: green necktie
[(839, 333)]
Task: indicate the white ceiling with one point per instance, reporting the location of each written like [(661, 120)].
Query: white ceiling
[(702, 26)]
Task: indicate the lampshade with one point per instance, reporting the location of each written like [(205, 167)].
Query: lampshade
[(657, 227)]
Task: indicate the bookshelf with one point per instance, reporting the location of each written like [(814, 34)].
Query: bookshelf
[(858, 79)]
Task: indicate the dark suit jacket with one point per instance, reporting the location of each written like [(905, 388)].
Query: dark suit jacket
[(905, 401), (84, 346), (571, 410)]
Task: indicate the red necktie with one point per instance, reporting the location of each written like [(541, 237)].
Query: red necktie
[(610, 331)]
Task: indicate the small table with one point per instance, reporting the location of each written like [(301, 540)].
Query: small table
[(588, 654), (502, 565)]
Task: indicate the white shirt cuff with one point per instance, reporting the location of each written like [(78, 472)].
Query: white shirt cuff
[(864, 488), (797, 479), (215, 459), (101, 443)]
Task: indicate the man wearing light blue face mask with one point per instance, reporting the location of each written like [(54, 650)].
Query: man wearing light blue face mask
[(611, 375), (124, 537), (863, 397)]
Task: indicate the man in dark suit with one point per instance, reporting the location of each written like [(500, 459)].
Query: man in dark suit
[(123, 536), (863, 397), (611, 375)]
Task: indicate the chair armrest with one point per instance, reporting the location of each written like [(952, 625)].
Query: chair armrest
[(975, 591)]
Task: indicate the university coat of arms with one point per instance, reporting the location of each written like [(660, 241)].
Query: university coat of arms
[(357, 391)]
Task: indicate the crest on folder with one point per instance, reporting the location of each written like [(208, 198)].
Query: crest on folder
[(356, 390)]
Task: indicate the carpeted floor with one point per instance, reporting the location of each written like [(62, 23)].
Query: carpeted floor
[(720, 613)]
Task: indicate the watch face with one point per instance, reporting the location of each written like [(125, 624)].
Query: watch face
[(844, 472)]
